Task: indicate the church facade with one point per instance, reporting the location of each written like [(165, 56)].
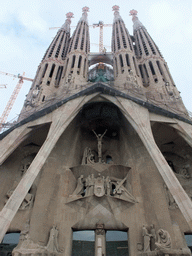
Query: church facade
[(102, 145)]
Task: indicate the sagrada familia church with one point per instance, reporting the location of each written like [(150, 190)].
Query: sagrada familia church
[(102, 146)]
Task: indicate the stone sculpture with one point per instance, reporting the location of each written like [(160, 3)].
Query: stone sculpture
[(170, 200), (108, 186), (80, 187), (89, 184), (24, 235), (153, 237), (52, 245), (100, 186), (163, 240), (99, 144), (88, 157), (28, 201), (146, 239)]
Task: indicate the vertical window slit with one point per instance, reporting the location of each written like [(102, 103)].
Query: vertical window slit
[(52, 70), (151, 67), (127, 60)]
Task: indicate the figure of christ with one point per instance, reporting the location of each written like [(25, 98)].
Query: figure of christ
[(99, 143)]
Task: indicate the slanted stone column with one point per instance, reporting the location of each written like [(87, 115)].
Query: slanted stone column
[(12, 141), (185, 130), (139, 119), (61, 119)]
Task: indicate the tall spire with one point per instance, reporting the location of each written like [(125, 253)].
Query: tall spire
[(84, 14), (66, 25), (154, 71), (117, 16), (77, 57), (125, 67), (49, 73), (136, 23)]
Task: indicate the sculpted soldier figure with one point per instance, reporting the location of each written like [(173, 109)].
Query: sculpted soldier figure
[(80, 187)]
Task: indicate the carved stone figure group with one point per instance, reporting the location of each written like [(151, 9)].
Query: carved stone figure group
[(28, 200), (152, 242), (100, 186), (88, 156)]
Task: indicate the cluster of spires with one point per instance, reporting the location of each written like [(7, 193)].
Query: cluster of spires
[(136, 62)]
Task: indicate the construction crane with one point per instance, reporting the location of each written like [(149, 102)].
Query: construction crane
[(99, 25), (3, 86), (13, 97)]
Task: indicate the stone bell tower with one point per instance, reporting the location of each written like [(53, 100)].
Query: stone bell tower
[(105, 154)]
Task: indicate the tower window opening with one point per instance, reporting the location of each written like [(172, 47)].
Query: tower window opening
[(71, 43), (64, 51), (82, 42), (118, 42), (116, 66), (59, 47), (144, 45), (144, 75), (73, 61), (79, 62), (141, 71), (123, 36), (85, 62), (121, 60), (151, 67), (159, 66), (58, 76), (76, 43), (124, 41), (146, 70), (129, 39), (53, 47), (117, 36), (45, 69), (138, 45), (43, 98), (149, 42), (52, 70), (77, 38), (127, 59)]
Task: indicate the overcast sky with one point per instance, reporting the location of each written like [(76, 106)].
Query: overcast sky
[(25, 36)]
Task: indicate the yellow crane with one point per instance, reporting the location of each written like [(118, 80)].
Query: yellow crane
[(13, 97), (3, 86), (99, 25)]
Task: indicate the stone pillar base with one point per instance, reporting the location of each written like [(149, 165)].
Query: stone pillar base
[(172, 252)]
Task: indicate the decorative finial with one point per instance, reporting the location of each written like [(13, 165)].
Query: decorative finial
[(133, 13), (69, 16), (66, 25), (85, 9), (115, 8)]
